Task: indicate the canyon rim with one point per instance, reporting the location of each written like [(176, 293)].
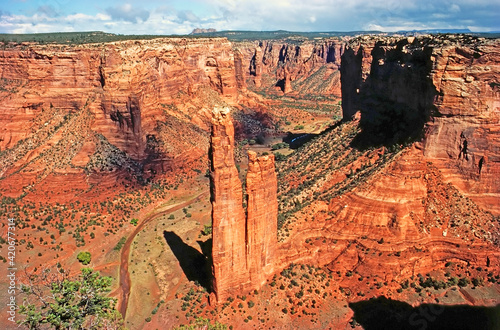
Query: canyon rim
[(293, 182)]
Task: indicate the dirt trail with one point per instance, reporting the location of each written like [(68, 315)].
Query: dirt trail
[(124, 256)]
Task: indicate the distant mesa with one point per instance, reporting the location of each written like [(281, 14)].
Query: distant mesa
[(201, 31)]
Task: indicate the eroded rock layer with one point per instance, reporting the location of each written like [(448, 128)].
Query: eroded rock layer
[(305, 67), (113, 107), (262, 210), (364, 196), (243, 246), (443, 90), (228, 218)]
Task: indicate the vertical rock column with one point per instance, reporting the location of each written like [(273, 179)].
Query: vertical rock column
[(256, 67), (262, 213), (228, 218), (239, 71), (243, 247)]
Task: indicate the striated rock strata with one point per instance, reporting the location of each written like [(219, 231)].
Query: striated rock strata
[(309, 66), (442, 89), (243, 247), (442, 92), (228, 217), (262, 211), (102, 109)]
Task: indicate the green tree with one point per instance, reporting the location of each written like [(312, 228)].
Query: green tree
[(202, 323), (55, 300), (84, 257)]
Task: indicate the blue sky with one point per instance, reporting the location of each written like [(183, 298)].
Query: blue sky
[(181, 17)]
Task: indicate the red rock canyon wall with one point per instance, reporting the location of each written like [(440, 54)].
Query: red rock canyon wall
[(442, 90)]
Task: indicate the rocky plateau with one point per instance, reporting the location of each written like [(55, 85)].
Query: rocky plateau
[(405, 183)]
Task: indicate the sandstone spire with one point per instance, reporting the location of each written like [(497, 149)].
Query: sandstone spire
[(243, 247), (228, 218), (262, 214)]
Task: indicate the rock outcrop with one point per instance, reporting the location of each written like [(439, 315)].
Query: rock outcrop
[(134, 96), (243, 246), (145, 106), (377, 212), (262, 211), (443, 90), (463, 136), (357, 200), (228, 218), (406, 89), (302, 68)]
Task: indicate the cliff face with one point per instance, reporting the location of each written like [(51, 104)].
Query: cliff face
[(303, 67), (262, 210), (145, 106), (243, 246), (228, 217), (133, 96), (464, 134), (357, 200), (388, 81), (444, 91)]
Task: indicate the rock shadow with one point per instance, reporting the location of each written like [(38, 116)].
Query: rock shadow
[(297, 140), (383, 313), (194, 264), (397, 97)]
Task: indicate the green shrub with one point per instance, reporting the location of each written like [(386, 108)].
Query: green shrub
[(280, 145), (74, 302), (207, 230), (120, 244), (279, 156), (84, 257), (463, 282)]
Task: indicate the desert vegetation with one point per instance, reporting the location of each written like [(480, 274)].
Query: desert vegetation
[(54, 298)]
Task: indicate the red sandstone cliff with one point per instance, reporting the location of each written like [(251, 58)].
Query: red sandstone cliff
[(134, 97), (348, 201), (65, 109), (307, 67), (228, 217), (71, 106), (262, 211), (243, 246), (463, 138), (444, 89)]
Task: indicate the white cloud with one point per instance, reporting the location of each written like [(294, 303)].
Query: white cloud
[(454, 8), (128, 13), (82, 17), (134, 17)]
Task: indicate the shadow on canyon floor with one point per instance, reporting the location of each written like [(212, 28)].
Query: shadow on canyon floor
[(297, 140), (194, 264), (383, 313)]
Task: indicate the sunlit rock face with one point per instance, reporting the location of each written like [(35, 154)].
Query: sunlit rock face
[(110, 108), (244, 245), (441, 90)]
